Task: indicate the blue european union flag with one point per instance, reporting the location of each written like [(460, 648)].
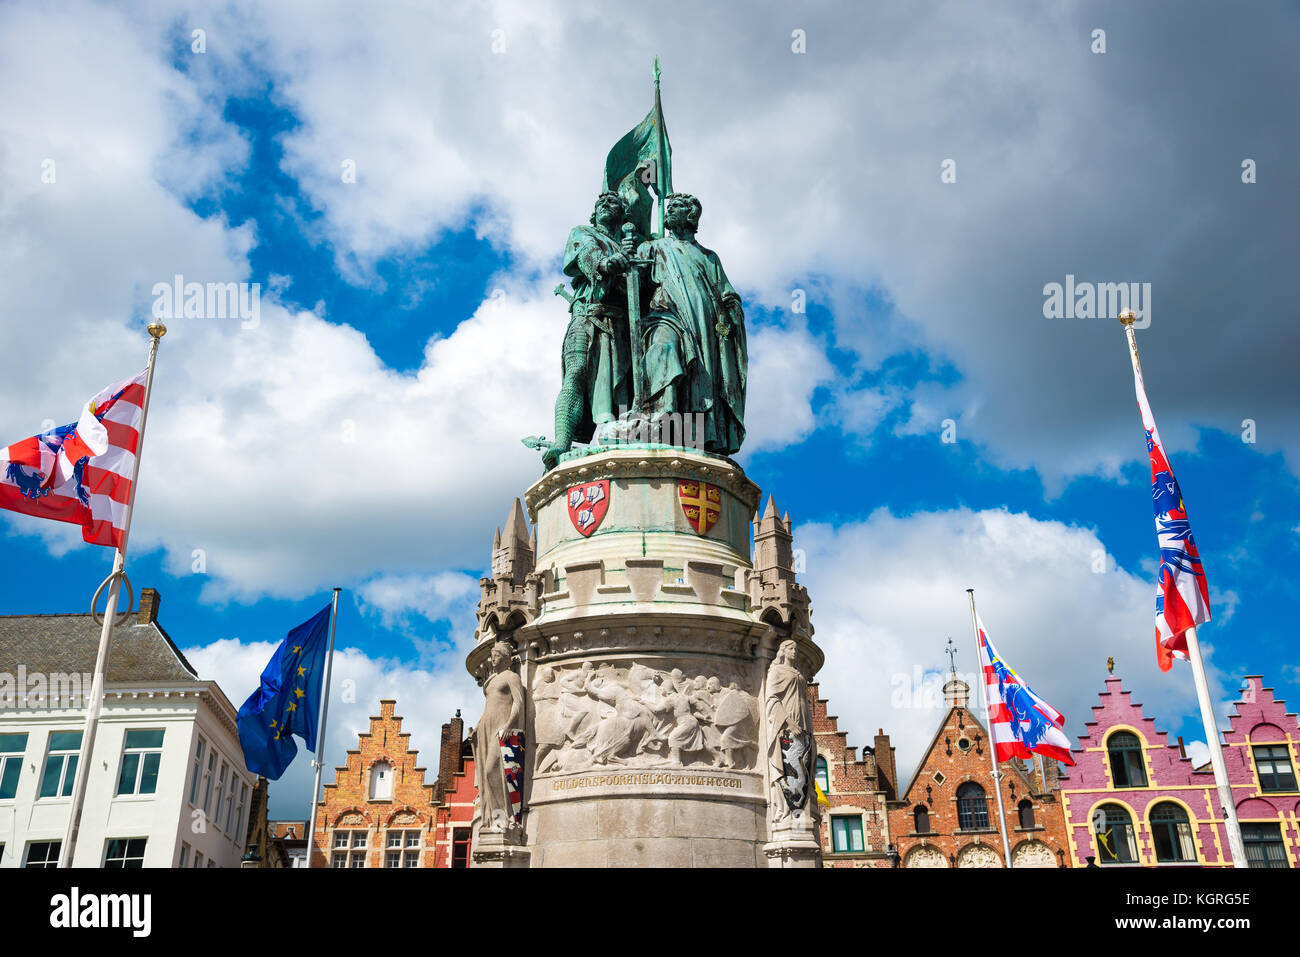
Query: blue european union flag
[(288, 700)]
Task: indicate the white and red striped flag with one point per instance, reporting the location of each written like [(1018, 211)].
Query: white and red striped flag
[(81, 473), (1020, 723)]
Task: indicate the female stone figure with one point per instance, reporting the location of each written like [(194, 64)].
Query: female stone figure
[(503, 713), (789, 734)]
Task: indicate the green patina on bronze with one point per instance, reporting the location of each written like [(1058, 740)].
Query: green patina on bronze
[(656, 329)]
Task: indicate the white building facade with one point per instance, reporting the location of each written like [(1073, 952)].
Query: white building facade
[(167, 784)]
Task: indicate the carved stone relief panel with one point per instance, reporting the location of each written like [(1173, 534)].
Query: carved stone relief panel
[(638, 716)]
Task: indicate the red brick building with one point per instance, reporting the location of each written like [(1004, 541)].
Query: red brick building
[(947, 817), (855, 821), (455, 811)]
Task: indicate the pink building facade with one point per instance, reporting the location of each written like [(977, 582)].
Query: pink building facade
[(1135, 800)]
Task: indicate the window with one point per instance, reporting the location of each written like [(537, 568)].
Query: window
[(125, 852), (972, 807), (185, 855), (1025, 813), (243, 803), (1115, 841), (221, 793), (846, 834), (1127, 769), (12, 747), (381, 781), (198, 771), (1273, 761), (230, 805), (823, 775), (349, 848), (403, 849), (1264, 847), (1171, 834), (198, 859), (460, 847), (208, 774), (141, 754), (921, 819), (60, 764), (43, 855)]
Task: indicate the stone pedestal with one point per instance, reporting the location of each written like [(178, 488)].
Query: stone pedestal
[(643, 634), (794, 844), (497, 849)]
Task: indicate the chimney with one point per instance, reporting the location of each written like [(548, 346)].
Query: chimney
[(453, 734), (149, 602), (885, 769)]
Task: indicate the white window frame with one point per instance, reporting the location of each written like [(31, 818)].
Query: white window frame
[(67, 769), (199, 747), (140, 763), (404, 845), (14, 757), (125, 856)]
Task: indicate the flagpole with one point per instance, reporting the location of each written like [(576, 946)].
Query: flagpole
[(95, 703), (1226, 802), (988, 720), (320, 732)]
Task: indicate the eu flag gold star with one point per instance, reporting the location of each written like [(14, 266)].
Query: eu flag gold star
[(298, 692), (301, 671), (293, 706), (297, 648)]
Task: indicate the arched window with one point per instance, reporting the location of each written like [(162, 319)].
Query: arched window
[(1025, 811), (972, 807), (823, 775), (1127, 769), (921, 819), (1115, 839), (1171, 833), (381, 781)]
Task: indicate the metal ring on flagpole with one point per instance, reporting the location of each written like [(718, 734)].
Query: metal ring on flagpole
[(123, 617)]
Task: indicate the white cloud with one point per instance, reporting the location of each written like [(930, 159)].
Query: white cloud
[(889, 591), (425, 699), (1199, 752)]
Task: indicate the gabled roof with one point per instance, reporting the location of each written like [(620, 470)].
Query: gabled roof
[(925, 756), (69, 644)]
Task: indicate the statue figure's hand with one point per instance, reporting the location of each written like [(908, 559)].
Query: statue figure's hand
[(616, 263)]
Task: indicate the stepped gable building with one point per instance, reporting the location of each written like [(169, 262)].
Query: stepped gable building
[(1136, 800), (167, 754), (947, 817), (379, 812), (855, 820)]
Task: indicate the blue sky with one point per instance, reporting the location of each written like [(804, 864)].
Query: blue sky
[(415, 305)]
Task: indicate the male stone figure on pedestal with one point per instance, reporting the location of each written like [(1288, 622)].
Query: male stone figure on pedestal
[(695, 357), (595, 366)]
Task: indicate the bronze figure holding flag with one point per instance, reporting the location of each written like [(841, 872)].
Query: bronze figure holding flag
[(656, 330)]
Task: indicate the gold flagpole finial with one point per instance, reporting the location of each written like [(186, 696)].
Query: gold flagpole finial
[(156, 329), (1128, 317)]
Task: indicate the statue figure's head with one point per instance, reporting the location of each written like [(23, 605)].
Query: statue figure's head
[(545, 675), (785, 654), (682, 212), (609, 211), (500, 655), (714, 685)]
